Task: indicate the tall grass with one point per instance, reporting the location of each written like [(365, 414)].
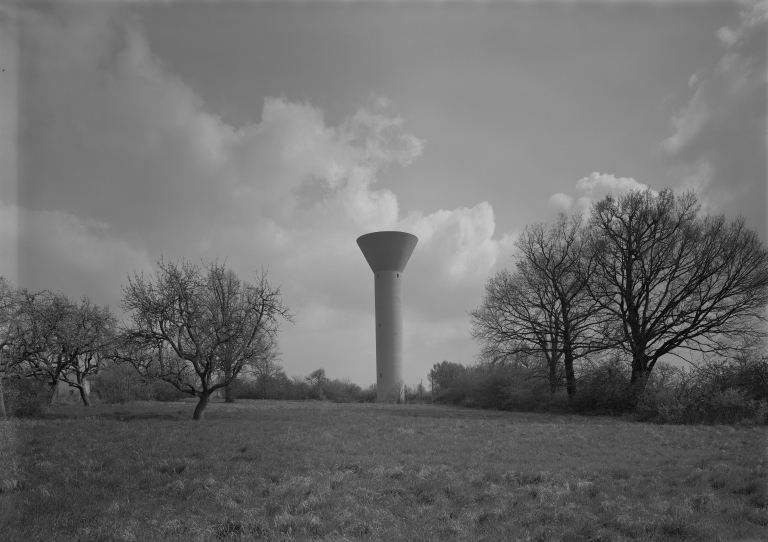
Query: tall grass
[(262, 470)]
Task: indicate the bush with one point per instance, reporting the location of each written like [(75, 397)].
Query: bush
[(121, 383), (246, 389), (526, 395), (25, 397), (715, 392), (730, 391), (369, 394), (502, 387), (341, 391), (605, 389), (163, 391)]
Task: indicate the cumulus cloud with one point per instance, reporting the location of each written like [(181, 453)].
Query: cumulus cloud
[(592, 188), (717, 146), (560, 202), (122, 162), (58, 251)]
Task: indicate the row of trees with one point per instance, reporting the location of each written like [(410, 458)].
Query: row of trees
[(194, 327), (730, 390), (120, 383), (644, 277)]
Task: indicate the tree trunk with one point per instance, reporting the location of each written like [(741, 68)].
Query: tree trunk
[(639, 379), (229, 394), (84, 396), (52, 393), (201, 404), (3, 413), (570, 377), (553, 376)]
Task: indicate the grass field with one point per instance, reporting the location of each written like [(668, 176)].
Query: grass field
[(261, 470)]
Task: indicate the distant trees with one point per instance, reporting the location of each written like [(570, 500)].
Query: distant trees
[(316, 378), (443, 375), (197, 327), (646, 276), (266, 368)]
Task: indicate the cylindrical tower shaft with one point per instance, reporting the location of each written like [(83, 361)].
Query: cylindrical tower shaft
[(389, 336)]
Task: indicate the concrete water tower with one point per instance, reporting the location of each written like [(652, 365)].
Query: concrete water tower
[(387, 253)]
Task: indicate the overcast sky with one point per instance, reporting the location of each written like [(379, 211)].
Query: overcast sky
[(275, 135)]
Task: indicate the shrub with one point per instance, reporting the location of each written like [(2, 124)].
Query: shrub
[(25, 397), (247, 389), (526, 395), (369, 394), (341, 391), (163, 391), (725, 391), (721, 392), (496, 387), (121, 383), (605, 389)]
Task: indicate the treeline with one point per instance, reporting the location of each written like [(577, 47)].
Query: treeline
[(723, 391), (593, 306), (120, 384), (193, 328)]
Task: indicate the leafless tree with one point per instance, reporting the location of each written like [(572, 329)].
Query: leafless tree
[(543, 309), (281, 381), (198, 327), (9, 333), (61, 340), (674, 280), (266, 366), (316, 378), (444, 375)]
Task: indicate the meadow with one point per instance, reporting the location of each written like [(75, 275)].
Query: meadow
[(268, 470)]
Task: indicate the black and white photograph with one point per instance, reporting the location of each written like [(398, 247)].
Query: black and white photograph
[(471, 270)]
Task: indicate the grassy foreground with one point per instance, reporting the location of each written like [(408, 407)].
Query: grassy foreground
[(261, 470)]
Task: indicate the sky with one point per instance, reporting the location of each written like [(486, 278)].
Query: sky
[(273, 135)]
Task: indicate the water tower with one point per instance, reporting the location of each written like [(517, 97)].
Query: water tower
[(387, 252)]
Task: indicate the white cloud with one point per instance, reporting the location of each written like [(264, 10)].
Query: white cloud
[(124, 163), (687, 123), (717, 144), (58, 251), (598, 185), (592, 188), (560, 202)]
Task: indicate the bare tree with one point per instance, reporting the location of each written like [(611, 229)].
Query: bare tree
[(281, 381), (444, 375), (266, 366), (9, 333), (91, 335), (316, 378), (554, 259), (198, 327), (543, 309), (672, 279), (63, 341)]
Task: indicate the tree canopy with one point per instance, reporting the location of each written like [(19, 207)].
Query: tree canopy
[(197, 327), (645, 275)]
